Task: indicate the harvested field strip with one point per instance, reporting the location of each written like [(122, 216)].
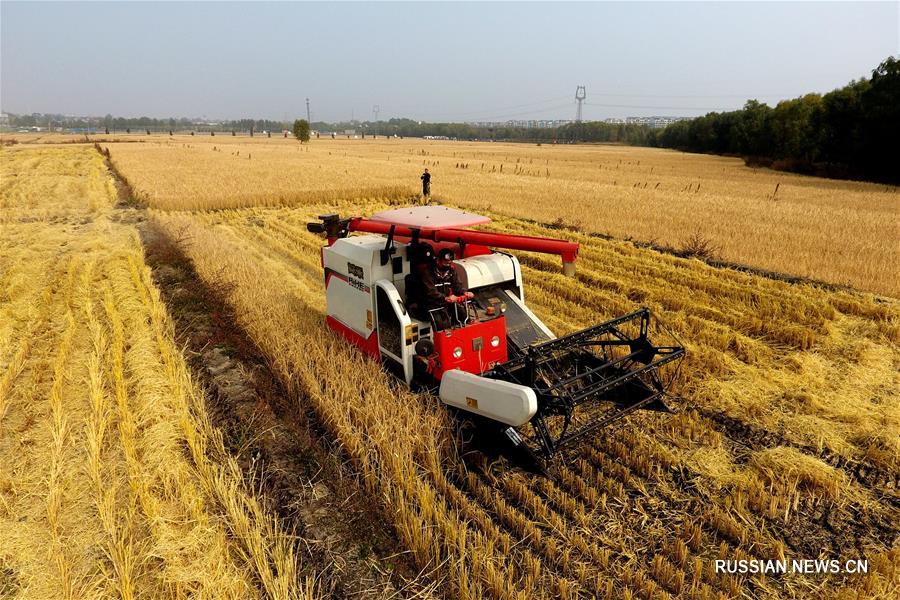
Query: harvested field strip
[(687, 473), (112, 481)]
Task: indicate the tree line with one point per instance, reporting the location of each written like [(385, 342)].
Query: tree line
[(119, 124), (852, 131), (596, 131)]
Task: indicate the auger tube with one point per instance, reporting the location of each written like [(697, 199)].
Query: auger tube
[(568, 251)]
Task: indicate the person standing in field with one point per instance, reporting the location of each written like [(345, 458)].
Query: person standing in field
[(426, 185)]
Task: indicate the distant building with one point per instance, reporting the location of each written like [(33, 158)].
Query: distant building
[(4, 120), (529, 123), (655, 122)]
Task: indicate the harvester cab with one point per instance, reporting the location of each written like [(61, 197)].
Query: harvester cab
[(489, 355)]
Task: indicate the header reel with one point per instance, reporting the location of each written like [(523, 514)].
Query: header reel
[(590, 379)]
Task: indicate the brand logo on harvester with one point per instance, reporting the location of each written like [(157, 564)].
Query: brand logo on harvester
[(806, 566), (354, 270), (356, 283)]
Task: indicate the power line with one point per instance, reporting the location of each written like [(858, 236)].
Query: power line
[(500, 114), (658, 107), (502, 108), (745, 96), (529, 112)]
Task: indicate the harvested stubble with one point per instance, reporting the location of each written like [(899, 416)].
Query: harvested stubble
[(706, 476), (113, 483), (842, 232)]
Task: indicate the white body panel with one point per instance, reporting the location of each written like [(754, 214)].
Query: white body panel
[(502, 401), (487, 269), (355, 266)]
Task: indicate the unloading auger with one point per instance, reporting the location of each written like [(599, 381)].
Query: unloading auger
[(493, 358)]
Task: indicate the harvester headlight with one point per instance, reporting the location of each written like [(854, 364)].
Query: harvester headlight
[(495, 341), (457, 352)]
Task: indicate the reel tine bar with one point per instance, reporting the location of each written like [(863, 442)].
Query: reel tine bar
[(607, 371)]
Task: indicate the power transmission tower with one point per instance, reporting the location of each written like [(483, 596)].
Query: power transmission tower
[(308, 118), (580, 95), (376, 109)]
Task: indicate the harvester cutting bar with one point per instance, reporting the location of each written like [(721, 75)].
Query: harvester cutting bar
[(591, 378), (605, 385), (612, 415)]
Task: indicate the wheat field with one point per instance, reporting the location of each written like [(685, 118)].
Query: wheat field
[(840, 232), (113, 482), (784, 445)]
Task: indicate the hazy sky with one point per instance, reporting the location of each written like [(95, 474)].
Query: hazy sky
[(434, 61)]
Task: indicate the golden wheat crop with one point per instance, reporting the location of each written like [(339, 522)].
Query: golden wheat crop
[(785, 444), (113, 483), (763, 444), (842, 232)]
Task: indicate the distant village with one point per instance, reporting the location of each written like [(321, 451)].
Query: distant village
[(653, 122)]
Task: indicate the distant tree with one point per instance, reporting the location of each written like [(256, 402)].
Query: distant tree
[(880, 121), (840, 123), (301, 130)]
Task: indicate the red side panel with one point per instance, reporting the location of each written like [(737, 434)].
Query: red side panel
[(369, 345), (467, 339), (475, 250)]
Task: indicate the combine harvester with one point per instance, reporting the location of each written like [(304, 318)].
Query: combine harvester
[(496, 360)]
